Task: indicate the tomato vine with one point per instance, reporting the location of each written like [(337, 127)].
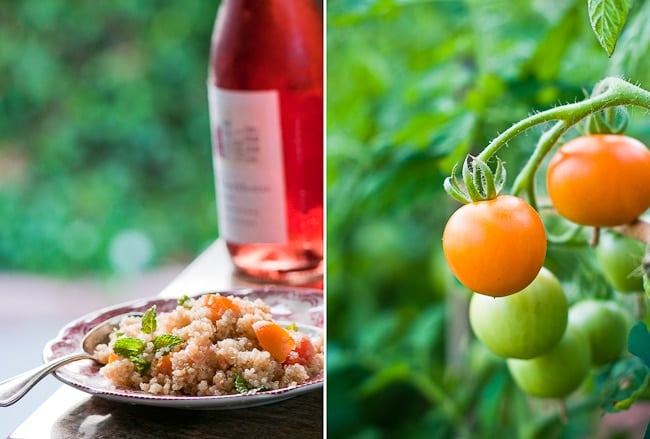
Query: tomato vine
[(608, 93), (611, 93)]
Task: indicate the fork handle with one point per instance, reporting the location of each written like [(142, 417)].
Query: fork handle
[(12, 389)]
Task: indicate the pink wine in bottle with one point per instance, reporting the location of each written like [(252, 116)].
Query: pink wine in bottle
[(265, 90)]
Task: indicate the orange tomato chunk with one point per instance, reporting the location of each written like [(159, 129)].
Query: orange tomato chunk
[(165, 365), (113, 357), (274, 339), (302, 353), (219, 305)]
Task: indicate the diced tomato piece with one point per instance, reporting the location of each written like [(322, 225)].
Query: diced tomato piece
[(274, 339), (165, 365), (219, 305), (113, 357), (302, 353)]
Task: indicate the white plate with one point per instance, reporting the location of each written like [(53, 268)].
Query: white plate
[(300, 305)]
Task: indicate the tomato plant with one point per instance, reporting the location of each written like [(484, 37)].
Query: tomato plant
[(558, 372), (620, 259), (525, 324), (600, 180), (495, 247), (605, 325)]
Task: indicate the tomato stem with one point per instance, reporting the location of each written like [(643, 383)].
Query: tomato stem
[(640, 305), (595, 237), (571, 236), (612, 92), (564, 414), (539, 428), (526, 178), (608, 93)]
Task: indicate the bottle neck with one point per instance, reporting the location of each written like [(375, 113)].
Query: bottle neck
[(259, 44)]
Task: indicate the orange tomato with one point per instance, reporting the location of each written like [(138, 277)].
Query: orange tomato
[(112, 356), (495, 247), (219, 305), (600, 180), (302, 353), (274, 339), (165, 365)]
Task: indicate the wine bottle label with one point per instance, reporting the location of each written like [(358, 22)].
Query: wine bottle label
[(248, 165)]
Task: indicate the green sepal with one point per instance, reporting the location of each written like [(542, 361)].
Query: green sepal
[(612, 120), (480, 183)]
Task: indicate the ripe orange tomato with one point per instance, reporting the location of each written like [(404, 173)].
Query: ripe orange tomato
[(495, 247), (600, 180)]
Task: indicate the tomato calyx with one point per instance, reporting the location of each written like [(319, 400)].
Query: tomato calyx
[(479, 181), (611, 120)]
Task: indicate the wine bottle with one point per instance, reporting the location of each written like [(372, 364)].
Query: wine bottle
[(265, 88)]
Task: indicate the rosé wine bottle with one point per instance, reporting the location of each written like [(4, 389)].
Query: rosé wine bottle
[(265, 88)]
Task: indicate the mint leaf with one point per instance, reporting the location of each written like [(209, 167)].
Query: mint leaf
[(149, 322), (240, 384), (166, 342), (638, 342), (132, 349), (183, 300), (141, 365), (607, 19), (128, 347)]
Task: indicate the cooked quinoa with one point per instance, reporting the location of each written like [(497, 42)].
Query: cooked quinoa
[(209, 347)]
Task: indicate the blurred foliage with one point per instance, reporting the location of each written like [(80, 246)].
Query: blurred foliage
[(105, 159), (413, 86)]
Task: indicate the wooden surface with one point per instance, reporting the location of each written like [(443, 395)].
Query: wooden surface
[(70, 413)]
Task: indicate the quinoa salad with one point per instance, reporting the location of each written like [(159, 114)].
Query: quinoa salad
[(210, 345)]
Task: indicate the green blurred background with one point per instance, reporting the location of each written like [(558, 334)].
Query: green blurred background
[(105, 158), (413, 86)]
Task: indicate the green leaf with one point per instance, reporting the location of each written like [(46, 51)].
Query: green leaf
[(633, 45), (149, 322), (638, 342), (141, 365), (166, 342), (240, 384), (622, 383), (129, 347), (607, 19)]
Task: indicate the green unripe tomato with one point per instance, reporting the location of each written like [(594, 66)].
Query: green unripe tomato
[(558, 372), (620, 258), (525, 324), (605, 325)]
